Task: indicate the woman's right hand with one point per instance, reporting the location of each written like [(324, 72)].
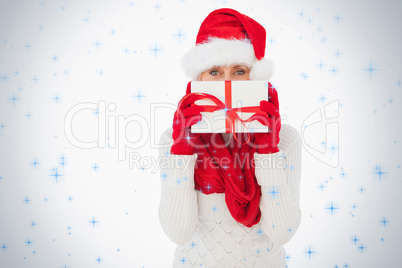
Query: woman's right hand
[(185, 116)]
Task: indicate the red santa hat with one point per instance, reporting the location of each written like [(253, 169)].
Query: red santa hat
[(228, 37)]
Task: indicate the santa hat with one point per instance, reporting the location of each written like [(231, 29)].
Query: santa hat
[(228, 37)]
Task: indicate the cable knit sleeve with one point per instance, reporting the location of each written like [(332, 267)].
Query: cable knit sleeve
[(279, 175), (178, 210)]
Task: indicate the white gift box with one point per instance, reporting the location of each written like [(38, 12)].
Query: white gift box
[(234, 94)]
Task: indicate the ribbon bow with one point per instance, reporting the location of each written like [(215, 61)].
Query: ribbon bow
[(231, 113)]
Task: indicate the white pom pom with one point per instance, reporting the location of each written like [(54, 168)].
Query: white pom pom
[(262, 69)]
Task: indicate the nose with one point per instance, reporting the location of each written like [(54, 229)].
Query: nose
[(228, 76)]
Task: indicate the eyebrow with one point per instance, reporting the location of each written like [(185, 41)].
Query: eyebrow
[(238, 65), (234, 66)]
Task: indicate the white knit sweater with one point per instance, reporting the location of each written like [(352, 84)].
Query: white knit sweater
[(202, 226)]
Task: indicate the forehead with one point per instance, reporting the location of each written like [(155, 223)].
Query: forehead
[(229, 66)]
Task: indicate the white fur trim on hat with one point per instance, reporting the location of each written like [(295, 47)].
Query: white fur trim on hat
[(224, 52), (262, 69)]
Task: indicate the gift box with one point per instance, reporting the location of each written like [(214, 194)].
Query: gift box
[(237, 102)]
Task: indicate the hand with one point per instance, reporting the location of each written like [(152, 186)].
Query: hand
[(267, 143), (185, 116)]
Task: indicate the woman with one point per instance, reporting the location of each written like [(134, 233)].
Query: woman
[(241, 211)]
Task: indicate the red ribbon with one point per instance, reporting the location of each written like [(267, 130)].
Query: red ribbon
[(228, 102), (231, 113)]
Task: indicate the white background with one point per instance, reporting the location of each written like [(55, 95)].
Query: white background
[(100, 212)]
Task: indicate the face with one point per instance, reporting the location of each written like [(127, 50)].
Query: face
[(223, 73)]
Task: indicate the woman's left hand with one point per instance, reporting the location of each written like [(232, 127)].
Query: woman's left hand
[(267, 143)]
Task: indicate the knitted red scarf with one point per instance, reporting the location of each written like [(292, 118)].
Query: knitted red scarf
[(230, 170)]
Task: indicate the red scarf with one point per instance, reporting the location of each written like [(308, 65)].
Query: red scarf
[(229, 170)]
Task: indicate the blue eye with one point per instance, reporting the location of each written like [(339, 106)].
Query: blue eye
[(240, 72), (214, 72)]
